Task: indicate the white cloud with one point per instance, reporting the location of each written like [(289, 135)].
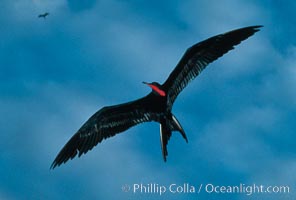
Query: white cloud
[(236, 141)]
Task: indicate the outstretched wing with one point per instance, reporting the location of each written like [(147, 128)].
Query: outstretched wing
[(197, 57), (104, 124), (43, 15)]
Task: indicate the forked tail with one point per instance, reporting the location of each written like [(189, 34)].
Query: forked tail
[(166, 128)]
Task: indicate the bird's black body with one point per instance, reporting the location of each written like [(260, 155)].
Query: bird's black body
[(157, 105), (43, 15)]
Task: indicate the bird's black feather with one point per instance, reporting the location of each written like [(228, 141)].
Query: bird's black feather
[(156, 106), (43, 15), (104, 124), (197, 57)]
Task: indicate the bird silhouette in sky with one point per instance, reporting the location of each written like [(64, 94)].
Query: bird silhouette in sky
[(157, 105), (43, 15)]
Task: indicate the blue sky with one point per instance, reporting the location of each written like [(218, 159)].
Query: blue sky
[(239, 114)]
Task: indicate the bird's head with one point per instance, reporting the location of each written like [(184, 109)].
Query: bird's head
[(156, 87)]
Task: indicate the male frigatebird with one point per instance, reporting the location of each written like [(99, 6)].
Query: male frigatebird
[(157, 105), (43, 15)]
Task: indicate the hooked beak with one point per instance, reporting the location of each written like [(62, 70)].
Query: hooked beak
[(147, 83)]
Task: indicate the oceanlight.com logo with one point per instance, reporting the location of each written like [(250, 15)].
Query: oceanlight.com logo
[(246, 189), (187, 188)]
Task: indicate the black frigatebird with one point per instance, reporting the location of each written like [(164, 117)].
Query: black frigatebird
[(157, 105), (43, 15)]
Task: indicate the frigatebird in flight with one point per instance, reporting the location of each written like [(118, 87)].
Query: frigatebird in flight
[(43, 15), (157, 105)]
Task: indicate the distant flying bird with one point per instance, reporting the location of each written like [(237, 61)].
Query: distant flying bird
[(157, 105), (43, 15)]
